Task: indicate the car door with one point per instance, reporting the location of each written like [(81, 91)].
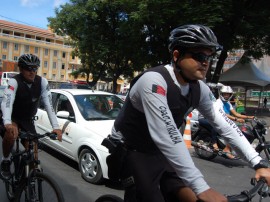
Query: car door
[(67, 125)]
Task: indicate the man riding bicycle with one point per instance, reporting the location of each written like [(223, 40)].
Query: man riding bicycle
[(20, 104), (158, 164), (225, 95)]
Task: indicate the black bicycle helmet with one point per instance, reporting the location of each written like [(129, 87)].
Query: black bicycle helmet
[(188, 36), (28, 60)]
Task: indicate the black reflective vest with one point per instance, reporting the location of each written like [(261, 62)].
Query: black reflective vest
[(26, 99), (132, 123)]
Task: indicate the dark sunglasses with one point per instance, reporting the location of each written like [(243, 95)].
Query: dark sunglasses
[(201, 57), (31, 69)]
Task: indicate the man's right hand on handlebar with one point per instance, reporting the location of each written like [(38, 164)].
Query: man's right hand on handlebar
[(59, 134), (263, 171)]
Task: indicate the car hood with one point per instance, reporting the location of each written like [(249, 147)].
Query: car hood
[(102, 128)]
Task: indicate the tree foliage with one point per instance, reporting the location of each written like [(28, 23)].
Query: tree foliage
[(102, 32), (118, 37)]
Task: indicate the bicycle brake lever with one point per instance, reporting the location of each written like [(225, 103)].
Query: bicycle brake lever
[(52, 136)]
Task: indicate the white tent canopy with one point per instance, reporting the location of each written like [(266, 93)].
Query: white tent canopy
[(245, 75), (263, 64)]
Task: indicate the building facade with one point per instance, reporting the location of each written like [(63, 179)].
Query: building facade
[(56, 59)]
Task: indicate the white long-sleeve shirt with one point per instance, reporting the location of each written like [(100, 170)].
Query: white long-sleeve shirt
[(146, 101), (9, 98)]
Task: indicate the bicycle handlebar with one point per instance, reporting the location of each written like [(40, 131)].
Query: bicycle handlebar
[(31, 136), (246, 196)]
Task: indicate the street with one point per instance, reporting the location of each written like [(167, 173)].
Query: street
[(226, 176)]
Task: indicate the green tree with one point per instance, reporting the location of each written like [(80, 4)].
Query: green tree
[(118, 37), (237, 24), (103, 35)]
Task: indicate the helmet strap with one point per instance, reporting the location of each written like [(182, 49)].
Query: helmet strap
[(179, 70)]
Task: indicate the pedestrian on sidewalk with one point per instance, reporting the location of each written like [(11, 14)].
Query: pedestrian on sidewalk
[(265, 102)]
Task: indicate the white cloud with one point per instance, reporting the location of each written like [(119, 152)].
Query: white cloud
[(31, 3), (57, 3)]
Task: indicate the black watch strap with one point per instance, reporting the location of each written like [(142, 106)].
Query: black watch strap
[(262, 164)]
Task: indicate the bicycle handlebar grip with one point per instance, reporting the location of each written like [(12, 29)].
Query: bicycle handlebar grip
[(246, 196), (52, 136)]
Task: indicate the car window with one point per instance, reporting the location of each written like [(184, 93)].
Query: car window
[(72, 85), (63, 104), (54, 97), (99, 107)]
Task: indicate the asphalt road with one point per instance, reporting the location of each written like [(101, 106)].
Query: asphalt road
[(226, 176)]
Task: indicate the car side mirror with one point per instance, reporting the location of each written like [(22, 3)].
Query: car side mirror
[(63, 114)]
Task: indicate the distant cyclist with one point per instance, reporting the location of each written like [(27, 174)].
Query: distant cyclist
[(20, 104), (158, 165), (225, 95)]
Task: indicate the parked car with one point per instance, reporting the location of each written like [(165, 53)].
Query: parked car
[(68, 85), (86, 118)]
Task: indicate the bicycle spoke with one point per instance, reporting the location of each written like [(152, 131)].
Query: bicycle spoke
[(41, 189)]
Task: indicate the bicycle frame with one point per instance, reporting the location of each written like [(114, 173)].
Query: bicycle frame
[(27, 167)]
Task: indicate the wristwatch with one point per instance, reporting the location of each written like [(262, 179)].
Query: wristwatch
[(262, 164)]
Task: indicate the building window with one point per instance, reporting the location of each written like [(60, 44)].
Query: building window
[(36, 50), (5, 44), (55, 53), (16, 47), (46, 51), (53, 76), (73, 57), (54, 65), (15, 58), (26, 48), (62, 77), (44, 74), (45, 64), (63, 65), (64, 55), (17, 34), (4, 57)]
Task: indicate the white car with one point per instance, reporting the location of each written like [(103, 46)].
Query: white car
[(86, 117)]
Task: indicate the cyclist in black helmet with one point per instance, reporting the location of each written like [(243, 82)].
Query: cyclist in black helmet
[(20, 103), (158, 166)]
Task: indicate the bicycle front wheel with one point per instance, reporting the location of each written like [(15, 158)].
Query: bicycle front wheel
[(109, 198), (10, 188), (42, 188)]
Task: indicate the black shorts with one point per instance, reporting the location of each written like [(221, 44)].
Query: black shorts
[(154, 178), (25, 125)]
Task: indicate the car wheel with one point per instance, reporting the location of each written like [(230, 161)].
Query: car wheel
[(90, 167)]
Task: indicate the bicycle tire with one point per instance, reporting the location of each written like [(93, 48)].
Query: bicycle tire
[(206, 138), (43, 189), (10, 189), (109, 198), (10, 185)]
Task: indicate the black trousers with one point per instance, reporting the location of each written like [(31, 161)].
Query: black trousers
[(154, 178)]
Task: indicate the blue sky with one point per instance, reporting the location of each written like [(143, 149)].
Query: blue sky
[(29, 12)]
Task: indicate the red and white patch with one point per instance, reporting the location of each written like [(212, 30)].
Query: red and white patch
[(11, 87), (158, 89)]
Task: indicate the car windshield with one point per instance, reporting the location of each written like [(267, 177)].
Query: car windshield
[(99, 107), (11, 75)]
